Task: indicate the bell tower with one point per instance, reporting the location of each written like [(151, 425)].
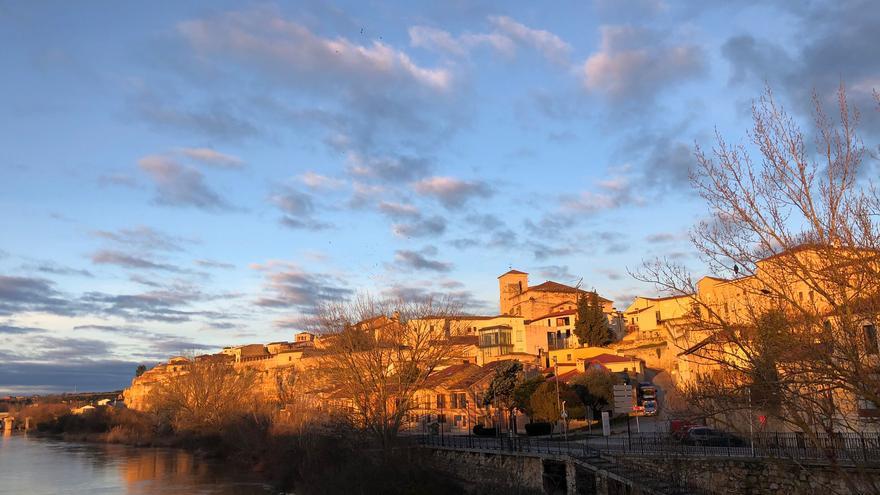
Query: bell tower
[(511, 285)]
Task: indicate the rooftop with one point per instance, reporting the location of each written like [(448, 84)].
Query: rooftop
[(558, 313), (551, 286), (513, 272)]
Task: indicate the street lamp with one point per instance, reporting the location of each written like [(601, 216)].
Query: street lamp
[(556, 379), (564, 416)]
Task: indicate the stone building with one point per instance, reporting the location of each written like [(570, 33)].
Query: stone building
[(549, 309), (517, 298)]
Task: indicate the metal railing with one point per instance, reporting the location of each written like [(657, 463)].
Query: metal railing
[(515, 444), (839, 447)]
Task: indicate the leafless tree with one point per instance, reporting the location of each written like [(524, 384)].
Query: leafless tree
[(378, 352), (794, 228), (207, 395), (295, 400)]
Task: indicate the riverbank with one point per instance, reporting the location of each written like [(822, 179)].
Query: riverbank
[(316, 460), (45, 465)]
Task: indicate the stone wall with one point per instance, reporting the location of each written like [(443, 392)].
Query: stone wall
[(725, 476), (515, 474), (474, 469)]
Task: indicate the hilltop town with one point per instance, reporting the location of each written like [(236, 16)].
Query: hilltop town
[(661, 341)]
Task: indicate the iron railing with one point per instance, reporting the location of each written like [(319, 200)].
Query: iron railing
[(855, 448), (511, 444)]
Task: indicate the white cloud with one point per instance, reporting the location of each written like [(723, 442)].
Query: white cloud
[(612, 192), (398, 210), (504, 38), (180, 185), (208, 156), (634, 62), (291, 51), (443, 41), (452, 192), (315, 180), (550, 45)]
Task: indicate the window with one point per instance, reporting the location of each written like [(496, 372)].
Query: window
[(561, 322), (568, 358), (441, 401), (548, 322), (657, 316), (870, 333), (867, 409)]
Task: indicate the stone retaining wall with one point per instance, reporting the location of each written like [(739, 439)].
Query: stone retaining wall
[(753, 476)]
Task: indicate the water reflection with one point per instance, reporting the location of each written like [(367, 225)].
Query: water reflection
[(41, 466)]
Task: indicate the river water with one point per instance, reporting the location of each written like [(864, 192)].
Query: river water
[(40, 466)]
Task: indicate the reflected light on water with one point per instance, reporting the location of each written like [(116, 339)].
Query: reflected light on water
[(44, 466)]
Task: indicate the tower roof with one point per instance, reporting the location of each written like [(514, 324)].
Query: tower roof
[(513, 272)]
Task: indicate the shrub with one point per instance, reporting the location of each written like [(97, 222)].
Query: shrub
[(542, 428), (482, 431)]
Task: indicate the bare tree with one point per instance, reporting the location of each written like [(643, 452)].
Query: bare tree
[(793, 229), (378, 352), (206, 396), (293, 396)]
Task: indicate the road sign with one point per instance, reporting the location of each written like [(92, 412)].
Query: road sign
[(624, 399)]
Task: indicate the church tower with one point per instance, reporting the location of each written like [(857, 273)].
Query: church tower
[(511, 285)]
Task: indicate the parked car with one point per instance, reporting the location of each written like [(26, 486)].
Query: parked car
[(678, 428), (705, 436)]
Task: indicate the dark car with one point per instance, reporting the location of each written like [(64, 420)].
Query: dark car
[(705, 436)]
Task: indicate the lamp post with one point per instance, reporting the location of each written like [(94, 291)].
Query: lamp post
[(467, 410), (564, 416), (751, 425), (556, 379), (442, 418)]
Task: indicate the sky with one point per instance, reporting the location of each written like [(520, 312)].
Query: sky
[(180, 179)]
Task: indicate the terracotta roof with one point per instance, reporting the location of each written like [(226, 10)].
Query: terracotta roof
[(565, 377), (558, 313), (458, 377), (513, 272), (551, 286), (460, 317), (494, 327), (666, 298), (609, 358)]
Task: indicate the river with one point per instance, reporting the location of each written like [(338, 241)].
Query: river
[(41, 466)]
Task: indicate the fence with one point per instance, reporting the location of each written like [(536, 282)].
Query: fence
[(511, 444), (840, 447)]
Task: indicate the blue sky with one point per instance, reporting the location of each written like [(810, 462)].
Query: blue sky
[(179, 179)]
